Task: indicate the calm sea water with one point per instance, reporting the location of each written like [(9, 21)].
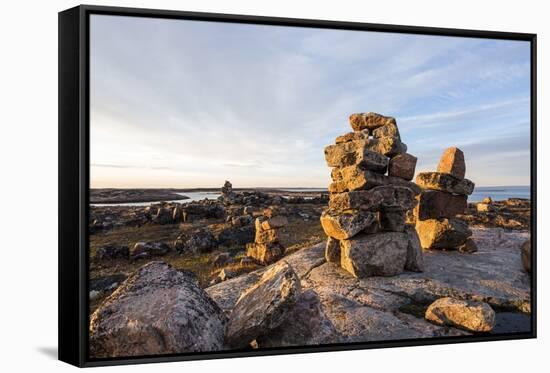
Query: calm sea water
[(499, 193), (496, 193)]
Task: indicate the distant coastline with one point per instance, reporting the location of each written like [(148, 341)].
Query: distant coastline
[(143, 196)]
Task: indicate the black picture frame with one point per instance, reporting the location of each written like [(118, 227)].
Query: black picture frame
[(74, 179)]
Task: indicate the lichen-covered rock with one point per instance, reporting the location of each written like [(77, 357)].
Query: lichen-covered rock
[(265, 253), (452, 162), (468, 315), (275, 222), (144, 250), (345, 224), (442, 233), (396, 196), (332, 250), (266, 236), (264, 306), (221, 259), (307, 321), (387, 130), (352, 136), (112, 252), (434, 204), (359, 199), (526, 255), (198, 241), (157, 310), (444, 182), (415, 259), (356, 178), (337, 187), (403, 166), (361, 121), (366, 153), (390, 146), (234, 235), (380, 254)]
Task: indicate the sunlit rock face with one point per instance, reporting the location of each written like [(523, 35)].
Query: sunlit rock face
[(370, 196)]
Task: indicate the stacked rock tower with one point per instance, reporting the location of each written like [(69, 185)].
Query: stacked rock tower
[(266, 247), (444, 195), (370, 194)]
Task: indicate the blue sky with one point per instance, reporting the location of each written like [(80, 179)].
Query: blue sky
[(190, 104)]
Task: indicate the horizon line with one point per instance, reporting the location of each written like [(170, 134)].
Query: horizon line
[(271, 187)]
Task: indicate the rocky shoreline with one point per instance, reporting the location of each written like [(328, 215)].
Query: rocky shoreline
[(113, 196)]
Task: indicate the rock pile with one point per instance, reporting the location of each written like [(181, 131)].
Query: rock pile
[(444, 196), (227, 192), (365, 220), (266, 247)]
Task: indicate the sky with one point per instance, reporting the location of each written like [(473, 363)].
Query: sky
[(177, 103)]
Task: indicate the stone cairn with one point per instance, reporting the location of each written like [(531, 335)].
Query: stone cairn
[(365, 219), (266, 247), (444, 195), (227, 192)]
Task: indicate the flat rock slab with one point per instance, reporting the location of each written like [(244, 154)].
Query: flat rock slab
[(346, 309)]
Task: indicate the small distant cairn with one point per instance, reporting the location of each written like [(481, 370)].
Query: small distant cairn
[(365, 220), (444, 195), (227, 192), (266, 247)]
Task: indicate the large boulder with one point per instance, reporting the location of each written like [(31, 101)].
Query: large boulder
[(380, 254), (145, 250), (403, 166), (345, 224), (370, 121), (367, 153), (468, 315), (526, 255), (452, 162), (442, 233), (198, 241), (434, 204), (264, 306), (444, 182), (157, 310)]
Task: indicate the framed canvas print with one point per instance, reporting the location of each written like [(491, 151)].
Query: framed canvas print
[(236, 186)]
